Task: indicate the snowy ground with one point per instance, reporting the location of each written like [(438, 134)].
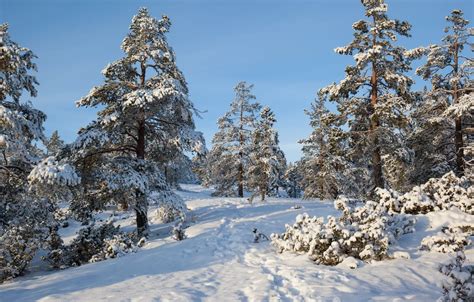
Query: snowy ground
[(220, 262)]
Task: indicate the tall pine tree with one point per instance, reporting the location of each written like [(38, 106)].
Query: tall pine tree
[(450, 71), (25, 219), (325, 168), (229, 157), (267, 161), (144, 107), (375, 94)]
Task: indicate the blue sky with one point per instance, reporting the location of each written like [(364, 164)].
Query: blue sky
[(284, 47)]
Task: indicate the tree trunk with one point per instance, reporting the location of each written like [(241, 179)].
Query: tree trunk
[(320, 165), (141, 211), (241, 177), (241, 154), (377, 176), (459, 144), (458, 139), (141, 206)]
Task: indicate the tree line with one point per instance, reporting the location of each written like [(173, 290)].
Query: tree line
[(383, 134)]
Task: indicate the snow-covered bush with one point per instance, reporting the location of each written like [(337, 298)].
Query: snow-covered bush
[(460, 283), (119, 245), (17, 249), (94, 244), (436, 194), (168, 212), (170, 206), (452, 239), (55, 246), (367, 215), (363, 232), (25, 225), (178, 232)]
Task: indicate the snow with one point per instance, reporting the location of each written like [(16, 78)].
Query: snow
[(51, 172), (219, 261)]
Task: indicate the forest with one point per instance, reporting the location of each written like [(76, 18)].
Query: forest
[(386, 177)]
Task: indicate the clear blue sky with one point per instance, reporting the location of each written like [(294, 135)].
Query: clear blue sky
[(284, 47)]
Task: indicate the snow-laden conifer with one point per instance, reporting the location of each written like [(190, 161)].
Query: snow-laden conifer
[(430, 139), (231, 145), (293, 180), (54, 144), (145, 109), (375, 94), (267, 162), (25, 220), (449, 67), (325, 165), (201, 168)]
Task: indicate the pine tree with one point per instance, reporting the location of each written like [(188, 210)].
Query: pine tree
[(200, 167), (25, 220), (231, 149), (145, 107), (293, 180), (179, 170), (325, 167), (430, 139), (267, 162), (375, 94), (449, 71), (280, 168), (54, 143)]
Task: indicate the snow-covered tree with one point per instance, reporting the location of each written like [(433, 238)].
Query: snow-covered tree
[(25, 221), (280, 170), (145, 108), (179, 170), (229, 156), (373, 97), (201, 168), (450, 71), (54, 143), (293, 179), (325, 166), (267, 162), (430, 139)]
